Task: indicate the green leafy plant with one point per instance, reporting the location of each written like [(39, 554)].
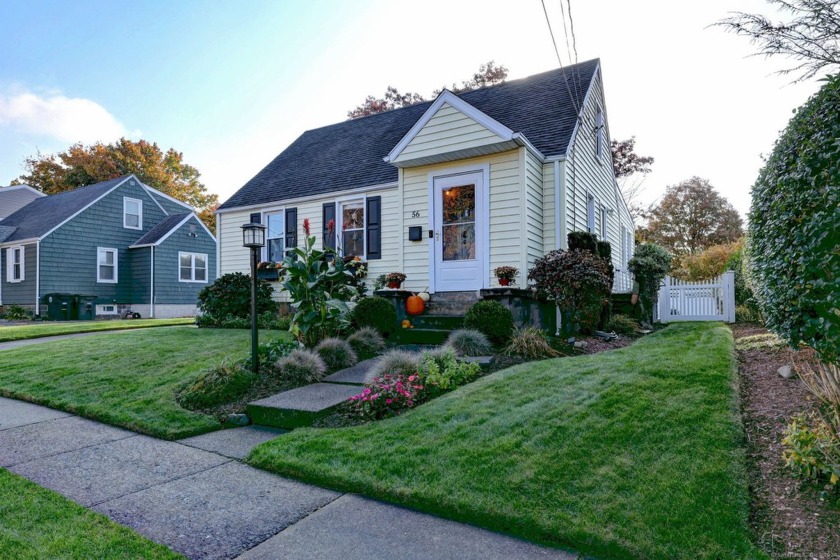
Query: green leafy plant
[(622, 324), (649, 265), (16, 313), (270, 352), (748, 314), (530, 343), (396, 362), (318, 286), (442, 371), (469, 342), (367, 342), (222, 384), (301, 366), (491, 318), (812, 448), (793, 229), (268, 320), (583, 241), (336, 353), (376, 312), (576, 281), (230, 296)]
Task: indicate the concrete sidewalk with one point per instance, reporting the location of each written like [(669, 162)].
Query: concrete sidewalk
[(197, 498)]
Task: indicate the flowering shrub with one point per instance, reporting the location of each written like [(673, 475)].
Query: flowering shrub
[(388, 395)]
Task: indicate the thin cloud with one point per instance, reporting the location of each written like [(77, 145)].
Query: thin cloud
[(61, 118)]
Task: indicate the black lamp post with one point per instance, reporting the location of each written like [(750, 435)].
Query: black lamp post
[(253, 236)]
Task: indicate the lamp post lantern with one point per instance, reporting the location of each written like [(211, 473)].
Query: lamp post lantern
[(253, 237)]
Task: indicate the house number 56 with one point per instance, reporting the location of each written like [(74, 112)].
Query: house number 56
[(415, 214)]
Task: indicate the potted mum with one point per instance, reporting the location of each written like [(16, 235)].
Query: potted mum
[(394, 279), (506, 275)]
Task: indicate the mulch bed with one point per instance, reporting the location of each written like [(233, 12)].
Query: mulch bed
[(790, 518)]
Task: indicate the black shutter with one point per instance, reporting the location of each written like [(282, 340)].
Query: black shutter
[(329, 235), (256, 218), (374, 227), (291, 228)]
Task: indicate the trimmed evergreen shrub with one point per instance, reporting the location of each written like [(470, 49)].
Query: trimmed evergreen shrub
[(795, 227), (469, 342), (230, 296), (649, 265), (583, 241), (491, 318), (376, 312), (367, 342), (301, 366), (222, 384), (395, 363), (336, 353)]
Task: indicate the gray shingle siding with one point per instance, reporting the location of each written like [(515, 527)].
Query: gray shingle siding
[(20, 293), (69, 254), (168, 288)]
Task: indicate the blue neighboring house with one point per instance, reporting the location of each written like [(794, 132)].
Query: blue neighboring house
[(129, 245)]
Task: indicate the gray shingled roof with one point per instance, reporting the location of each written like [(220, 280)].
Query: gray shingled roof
[(6, 232), (161, 229), (349, 154), (43, 214)]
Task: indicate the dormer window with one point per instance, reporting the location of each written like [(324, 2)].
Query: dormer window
[(132, 213)]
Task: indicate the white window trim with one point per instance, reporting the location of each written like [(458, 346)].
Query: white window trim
[(192, 267), (101, 309), (339, 222), (590, 213), (99, 279), (139, 202), (604, 232), (10, 251), (264, 221)]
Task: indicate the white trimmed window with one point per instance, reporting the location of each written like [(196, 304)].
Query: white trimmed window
[(106, 265), (599, 134), (15, 270), (132, 213), (106, 309), (590, 213), (275, 236), (351, 227), (192, 267), (604, 214)]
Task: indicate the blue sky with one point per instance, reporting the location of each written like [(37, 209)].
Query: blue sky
[(231, 84)]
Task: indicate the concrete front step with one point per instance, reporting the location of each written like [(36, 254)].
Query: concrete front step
[(299, 407), (354, 375), (443, 322)]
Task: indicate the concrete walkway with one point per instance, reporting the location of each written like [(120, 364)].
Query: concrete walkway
[(197, 498)]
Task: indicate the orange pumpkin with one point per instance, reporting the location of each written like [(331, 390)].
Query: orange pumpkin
[(414, 305)]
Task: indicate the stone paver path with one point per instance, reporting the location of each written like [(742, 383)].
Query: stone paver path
[(195, 498)]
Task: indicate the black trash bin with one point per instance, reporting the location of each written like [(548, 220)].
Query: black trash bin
[(86, 307), (60, 307)]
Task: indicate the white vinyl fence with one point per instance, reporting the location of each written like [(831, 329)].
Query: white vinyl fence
[(710, 300)]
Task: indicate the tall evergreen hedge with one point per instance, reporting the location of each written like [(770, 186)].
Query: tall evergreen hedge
[(795, 227)]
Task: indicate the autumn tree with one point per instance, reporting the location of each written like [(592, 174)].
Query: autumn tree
[(809, 36), (81, 165), (691, 217), (630, 171), (488, 74)]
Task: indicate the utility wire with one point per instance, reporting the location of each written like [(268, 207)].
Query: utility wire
[(572, 27), (551, 32)]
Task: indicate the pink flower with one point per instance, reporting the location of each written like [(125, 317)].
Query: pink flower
[(412, 377), (389, 401), (306, 226)]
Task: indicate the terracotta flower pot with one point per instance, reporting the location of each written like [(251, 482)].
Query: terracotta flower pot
[(394, 285), (504, 281)]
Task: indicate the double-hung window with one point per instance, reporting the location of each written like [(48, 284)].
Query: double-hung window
[(604, 214), (106, 265), (14, 264), (351, 227), (275, 236), (192, 267), (132, 213)]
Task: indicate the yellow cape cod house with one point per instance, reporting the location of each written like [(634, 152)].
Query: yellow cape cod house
[(446, 191)]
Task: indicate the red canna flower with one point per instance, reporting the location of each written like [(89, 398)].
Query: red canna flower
[(331, 226), (306, 226)]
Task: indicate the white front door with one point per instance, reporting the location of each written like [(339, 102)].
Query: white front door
[(459, 224)]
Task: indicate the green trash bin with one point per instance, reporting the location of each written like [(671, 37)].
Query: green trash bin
[(86, 307), (60, 307)]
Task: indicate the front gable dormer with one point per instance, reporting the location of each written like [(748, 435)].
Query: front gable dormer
[(449, 130)]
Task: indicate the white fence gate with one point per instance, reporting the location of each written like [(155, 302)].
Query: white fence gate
[(710, 300)]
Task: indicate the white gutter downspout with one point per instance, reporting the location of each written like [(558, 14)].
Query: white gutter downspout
[(152, 298), (219, 245), (559, 223), (37, 278)]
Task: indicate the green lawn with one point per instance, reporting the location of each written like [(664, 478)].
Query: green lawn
[(633, 453), (37, 523), (38, 330), (127, 379)]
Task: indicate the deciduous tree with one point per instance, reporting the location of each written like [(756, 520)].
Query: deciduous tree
[(488, 74), (630, 171), (691, 217), (81, 165)]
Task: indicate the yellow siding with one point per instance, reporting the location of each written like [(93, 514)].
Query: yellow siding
[(549, 222), (447, 131), (585, 173), (234, 257), (505, 218)]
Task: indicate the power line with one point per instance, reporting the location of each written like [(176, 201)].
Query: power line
[(551, 32), (565, 30), (572, 26)]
